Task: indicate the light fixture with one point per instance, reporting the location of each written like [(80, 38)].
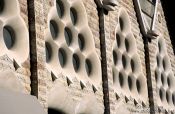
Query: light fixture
[(147, 12)]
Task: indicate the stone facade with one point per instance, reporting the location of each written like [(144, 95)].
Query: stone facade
[(56, 56)]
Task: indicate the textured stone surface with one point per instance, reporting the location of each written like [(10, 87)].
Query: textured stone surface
[(77, 96), (23, 71)]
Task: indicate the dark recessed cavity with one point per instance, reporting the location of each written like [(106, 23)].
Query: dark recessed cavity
[(48, 50), (138, 85), (133, 65), (124, 61), (158, 58), (53, 29), (162, 78), (73, 15), (55, 111), (167, 97), (173, 98), (159, 46), (60, 8), (76, 62), (9, 36), (118, 40), (81, 41), (130, 84), (115, 57), (62, 57), (121, 22), (2, 5), (161, 94), (164, 64), (121, 79), (127, 45), (68, 36), (169, 81), (88, 66), (156, 76)]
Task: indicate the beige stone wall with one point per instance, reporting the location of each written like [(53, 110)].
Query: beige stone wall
[(153, 47), (79, 99), (119, 102), (21, 69), (77, 95)]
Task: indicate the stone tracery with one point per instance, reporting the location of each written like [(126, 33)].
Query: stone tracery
[(14, 38), (69, 43), (128, 78), (164, 76)]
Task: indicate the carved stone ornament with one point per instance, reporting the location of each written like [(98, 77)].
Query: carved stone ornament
[(147, 13), (107, 4)]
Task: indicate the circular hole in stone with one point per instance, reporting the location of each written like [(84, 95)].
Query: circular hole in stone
[(161, 94), (9, 36), (138, 85), (127, 45), (124, 61), (118, 39), (115, 58), (81, 42), (73, 15), (62, 57), (68, 35), (76, 62), (2, 4), (53, 29), (88, 66), (163, 78), (164, 64), (168, 97), (156, 76), (132, 65), (121, 23), (169, 81), (60, 8), (48, 51), (173, 98), (121, 79), (130, 84)]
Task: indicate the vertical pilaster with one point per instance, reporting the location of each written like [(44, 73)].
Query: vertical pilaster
[(37, 50)]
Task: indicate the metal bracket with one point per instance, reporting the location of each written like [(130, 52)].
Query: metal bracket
[(107, 4)]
